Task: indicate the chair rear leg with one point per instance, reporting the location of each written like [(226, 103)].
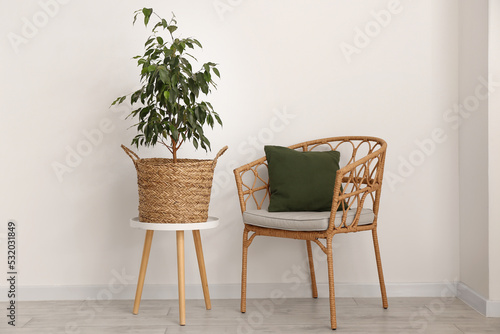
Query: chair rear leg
[(311, 269), (244, 272), (379, 268), (331, 283)]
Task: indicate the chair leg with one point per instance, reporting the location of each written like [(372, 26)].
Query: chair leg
[(379, 268), (142, 271), (244, 273), (331, 283), (311, 269)]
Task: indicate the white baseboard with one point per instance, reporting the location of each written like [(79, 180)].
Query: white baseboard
[(228, 291), (493, 309), (489, 308)]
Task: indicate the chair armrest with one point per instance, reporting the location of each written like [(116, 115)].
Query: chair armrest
[(246, 191), (358, 179)]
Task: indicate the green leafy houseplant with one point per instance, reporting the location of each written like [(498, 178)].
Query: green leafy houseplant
[(170, 110)]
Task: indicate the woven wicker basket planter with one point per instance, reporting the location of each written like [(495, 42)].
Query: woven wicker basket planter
[(174, 193)]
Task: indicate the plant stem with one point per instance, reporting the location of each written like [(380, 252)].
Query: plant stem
[(175, 147)]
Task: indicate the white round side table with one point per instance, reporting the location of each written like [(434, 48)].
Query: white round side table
[(212, 222)]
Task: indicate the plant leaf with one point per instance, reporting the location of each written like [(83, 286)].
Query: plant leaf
[(195, 41), (149, 41), (147, 14), (164, 76), (172, 28), (117, 101), (216, 71)]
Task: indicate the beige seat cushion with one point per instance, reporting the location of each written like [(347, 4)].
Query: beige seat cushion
[(303, 221)]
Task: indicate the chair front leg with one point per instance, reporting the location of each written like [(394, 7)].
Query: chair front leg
[(379, 268), (311, 269), (331, 283), (244, 272)]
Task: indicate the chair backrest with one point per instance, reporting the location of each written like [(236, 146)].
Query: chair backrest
[(362, 164)]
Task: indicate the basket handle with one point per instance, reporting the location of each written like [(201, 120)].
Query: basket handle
[(131, 154), (221, 152)]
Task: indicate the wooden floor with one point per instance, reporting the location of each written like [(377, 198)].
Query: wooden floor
[(355, 315)]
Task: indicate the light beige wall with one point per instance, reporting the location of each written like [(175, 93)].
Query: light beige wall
[(494, 149), (473, 145), (285, 79)]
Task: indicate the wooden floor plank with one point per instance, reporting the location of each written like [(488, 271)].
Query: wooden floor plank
[(291, 316)]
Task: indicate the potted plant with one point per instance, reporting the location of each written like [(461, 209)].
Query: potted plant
[(169, 111)]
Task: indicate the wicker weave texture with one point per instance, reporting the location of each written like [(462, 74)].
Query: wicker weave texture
[(174, 193)]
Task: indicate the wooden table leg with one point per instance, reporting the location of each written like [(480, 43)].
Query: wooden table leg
[(142, 271), (201, 265), (180, 275)]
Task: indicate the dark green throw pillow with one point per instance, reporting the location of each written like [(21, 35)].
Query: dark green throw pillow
[(301, 181)]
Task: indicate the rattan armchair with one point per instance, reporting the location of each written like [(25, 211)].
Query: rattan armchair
[(361, 179)]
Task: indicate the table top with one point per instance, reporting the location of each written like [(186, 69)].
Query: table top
[(210, 223)]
